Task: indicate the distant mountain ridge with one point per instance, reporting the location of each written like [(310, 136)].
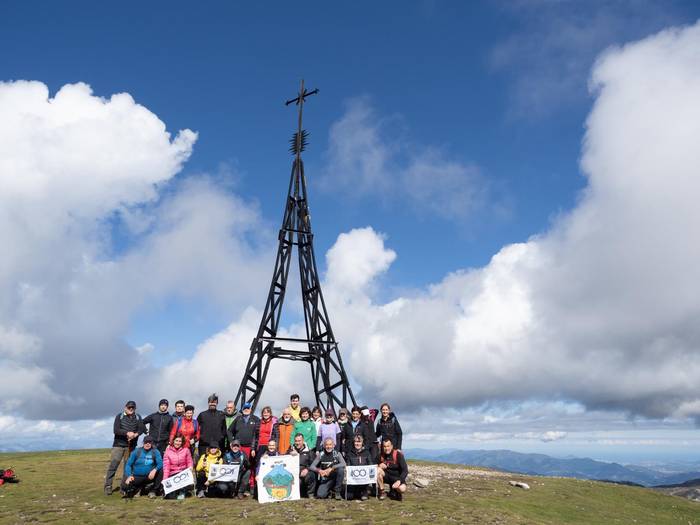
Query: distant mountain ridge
[(543, 465)]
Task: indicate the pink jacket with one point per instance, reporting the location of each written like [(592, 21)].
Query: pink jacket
[(176, 460)]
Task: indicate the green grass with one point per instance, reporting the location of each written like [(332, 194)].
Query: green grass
[(66, 487)]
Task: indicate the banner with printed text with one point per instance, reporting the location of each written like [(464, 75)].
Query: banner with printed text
[(219, 472), (178, 481), (361, 474)]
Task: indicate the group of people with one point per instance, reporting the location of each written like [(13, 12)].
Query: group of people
[(325, 445)]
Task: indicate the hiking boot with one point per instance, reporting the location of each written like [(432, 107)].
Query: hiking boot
[(363, 497), (152, 495), (108, 491), (338, 496), (181, 495), (200, 494), (382, 495)]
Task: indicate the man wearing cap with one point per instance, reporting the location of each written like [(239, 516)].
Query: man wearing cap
[(235, 456), (159, 425), (245, 429), (212, 426), (141, 470), (127, 428)]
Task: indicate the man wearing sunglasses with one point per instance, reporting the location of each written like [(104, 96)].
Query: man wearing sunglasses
[(127, 428)]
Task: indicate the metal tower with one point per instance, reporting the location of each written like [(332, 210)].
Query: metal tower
[(331, 386)]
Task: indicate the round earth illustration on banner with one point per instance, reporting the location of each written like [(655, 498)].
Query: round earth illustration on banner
[(278, 482)]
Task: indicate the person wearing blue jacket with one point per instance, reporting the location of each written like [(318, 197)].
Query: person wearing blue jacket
[(142, 469)]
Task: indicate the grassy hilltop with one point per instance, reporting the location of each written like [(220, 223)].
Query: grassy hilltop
[(66, 487)]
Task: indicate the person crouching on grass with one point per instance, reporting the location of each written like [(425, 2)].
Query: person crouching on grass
[(176, 459), (392, 471), (204, 487), (329, 465), (142, 469)]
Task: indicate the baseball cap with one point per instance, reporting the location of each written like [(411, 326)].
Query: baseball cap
[(130, 404)]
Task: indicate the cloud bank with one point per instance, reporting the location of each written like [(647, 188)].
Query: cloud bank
[(598, 312)]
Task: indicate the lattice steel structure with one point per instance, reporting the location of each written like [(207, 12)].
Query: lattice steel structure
[(331, 386)]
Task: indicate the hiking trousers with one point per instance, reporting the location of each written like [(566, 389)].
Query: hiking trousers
[(115, 457)]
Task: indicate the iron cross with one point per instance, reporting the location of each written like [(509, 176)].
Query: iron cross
[(299, 101)]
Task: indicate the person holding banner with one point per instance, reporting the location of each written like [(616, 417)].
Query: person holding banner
[(235, 456), (307, 478), (358, 455), (392, 471), (362, 428), (177, 458), (142, 469), (329, 465), (204, 486)]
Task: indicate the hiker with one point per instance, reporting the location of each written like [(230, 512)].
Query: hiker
[(361, 428), (235, 456), (307, 478), (159, 425), (294, 407), (212, 425), (388, 427), (346, 432), (176, 459), (329, 465), (188, 427), (141, 470), (317, 418), (212, 456), (358, 455), (179, 411), (230, 414), (306, 428), (329, 429), (266, 430), (245, 430), (270, 449), (392, 471), (285, 431), (127, 428), (370, 440)]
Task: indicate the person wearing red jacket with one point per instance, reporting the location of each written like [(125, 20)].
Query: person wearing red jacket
[(176, 459), (188, 427), (267, 430)]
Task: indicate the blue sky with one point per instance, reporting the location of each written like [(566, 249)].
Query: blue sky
[(490, 98)]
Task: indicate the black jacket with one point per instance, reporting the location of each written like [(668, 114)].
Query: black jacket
[(212, 427), (246, 433), (359, 457), (346, 435), (390, 429), (365, 430), (159, 425), (124, 423), (237, 459), (306, 457), (395, 468)]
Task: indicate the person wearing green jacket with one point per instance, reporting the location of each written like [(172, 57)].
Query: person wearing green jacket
[(306, 427)]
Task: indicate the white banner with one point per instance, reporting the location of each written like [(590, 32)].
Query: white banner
[(178, 481), (278, 478), (361, 474), (218, 472)]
